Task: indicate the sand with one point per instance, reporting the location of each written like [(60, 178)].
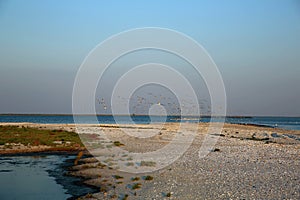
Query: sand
[(247, 162)]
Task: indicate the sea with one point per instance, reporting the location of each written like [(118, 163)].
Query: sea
[(289, 123)]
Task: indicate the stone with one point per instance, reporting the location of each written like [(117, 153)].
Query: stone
[(260, 136)]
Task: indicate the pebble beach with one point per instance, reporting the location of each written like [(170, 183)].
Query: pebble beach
[(247, 162)]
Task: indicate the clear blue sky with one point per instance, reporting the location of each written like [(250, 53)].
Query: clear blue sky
[(255, 43)]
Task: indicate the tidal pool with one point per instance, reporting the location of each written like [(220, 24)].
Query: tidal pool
[(39, 177)]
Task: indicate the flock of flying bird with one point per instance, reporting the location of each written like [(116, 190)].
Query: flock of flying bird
[(139, 105)]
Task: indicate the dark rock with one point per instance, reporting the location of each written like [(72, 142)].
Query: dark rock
[(215, 150), (260, 136), (292, 136), (275, 135)]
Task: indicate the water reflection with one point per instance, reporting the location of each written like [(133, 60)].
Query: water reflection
[(37, 177)]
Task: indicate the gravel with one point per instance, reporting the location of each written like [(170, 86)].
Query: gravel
[(247, 162)]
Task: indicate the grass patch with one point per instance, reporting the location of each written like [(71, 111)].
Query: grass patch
[(118, 177), (136, 186), (148, 178), (148, 163), (118, 143), (89, 195), (130, 164), (135, 179), (35, 137), (101, 165)]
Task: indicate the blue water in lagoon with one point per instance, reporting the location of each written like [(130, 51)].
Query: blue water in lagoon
[(38, 177), (290, 123)]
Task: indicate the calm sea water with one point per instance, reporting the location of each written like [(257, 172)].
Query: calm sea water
[(38, 177), (292, 123)]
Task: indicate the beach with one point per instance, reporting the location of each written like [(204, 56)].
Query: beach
[(247, 162), (150, 100)]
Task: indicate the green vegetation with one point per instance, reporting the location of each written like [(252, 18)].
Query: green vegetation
[(34, 137), (148, 178), (101, 165), (129, 164), (103, 189), (148, 163), (89, 195), (118, 143), (136, 186), (135, 178), (118, 177)]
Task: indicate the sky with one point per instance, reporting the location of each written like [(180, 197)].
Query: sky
[(255, 45)]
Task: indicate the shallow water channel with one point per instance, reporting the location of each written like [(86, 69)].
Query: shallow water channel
[(39, 177)]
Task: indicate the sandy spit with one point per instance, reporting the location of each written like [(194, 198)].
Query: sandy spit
[(247, 162)]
